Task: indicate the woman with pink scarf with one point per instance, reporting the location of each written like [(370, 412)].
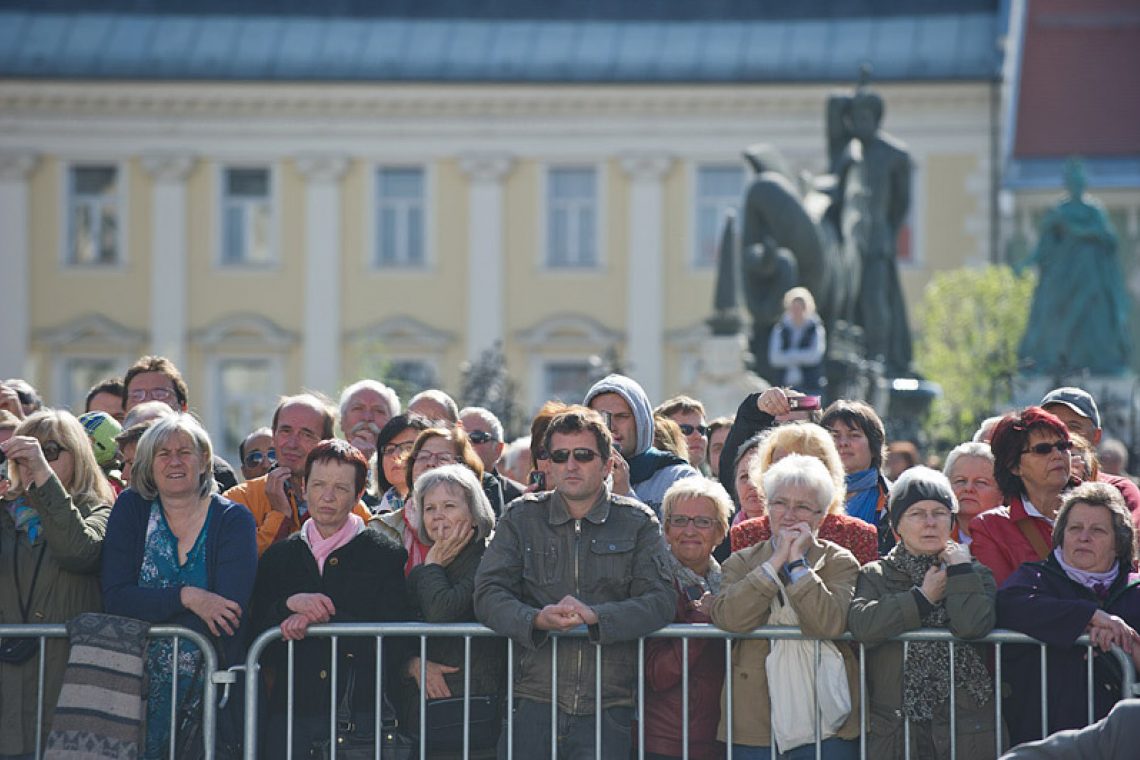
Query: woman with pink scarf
[(333, 570)]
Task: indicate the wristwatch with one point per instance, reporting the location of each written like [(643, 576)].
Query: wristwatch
[(801, 562)]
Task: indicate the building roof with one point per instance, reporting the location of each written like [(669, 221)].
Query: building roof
[(647, 41)]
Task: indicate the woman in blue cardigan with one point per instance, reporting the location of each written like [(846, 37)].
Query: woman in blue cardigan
[(178, 553)]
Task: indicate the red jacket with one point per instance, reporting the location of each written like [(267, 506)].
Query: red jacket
[(998, 543), (856, 536), (1128, 490), (663, 691)]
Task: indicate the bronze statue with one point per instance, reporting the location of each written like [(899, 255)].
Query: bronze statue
[(1079, 316)]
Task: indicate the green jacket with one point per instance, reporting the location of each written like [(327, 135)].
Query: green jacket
[(613, 560), (67, 584)]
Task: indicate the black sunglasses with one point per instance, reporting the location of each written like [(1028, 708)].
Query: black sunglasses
[(690, 429), (542, 455), (480, 436), (562, 456), (51, 450), (255, 458), (1045, 448)]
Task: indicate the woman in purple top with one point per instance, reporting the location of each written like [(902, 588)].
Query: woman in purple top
[(1084, 586)]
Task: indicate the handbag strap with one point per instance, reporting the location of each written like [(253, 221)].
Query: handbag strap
[(26, 608), (1033, 536)]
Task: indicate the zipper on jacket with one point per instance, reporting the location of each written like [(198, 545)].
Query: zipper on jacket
[(578, 595)]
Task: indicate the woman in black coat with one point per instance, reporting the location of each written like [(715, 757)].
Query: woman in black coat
[(334, 570)]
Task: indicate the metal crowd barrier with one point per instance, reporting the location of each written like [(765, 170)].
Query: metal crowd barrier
[(468, 631), (209, 666)]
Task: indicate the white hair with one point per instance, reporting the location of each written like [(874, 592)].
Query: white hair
[(488, 417), (391, 400)]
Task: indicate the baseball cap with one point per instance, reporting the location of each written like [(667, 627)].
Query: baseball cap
[(1078, 400)]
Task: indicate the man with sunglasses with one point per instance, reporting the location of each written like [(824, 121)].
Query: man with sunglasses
[(485, 433), (689, 414), (578, 555), (257, 453), (1078, 410)]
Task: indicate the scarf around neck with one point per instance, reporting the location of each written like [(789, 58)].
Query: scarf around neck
[(863, 494), (926, 671), (26, 518), (322, 547), (710, 582), (1098, 583)]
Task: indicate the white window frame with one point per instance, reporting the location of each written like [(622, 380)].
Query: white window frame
[(274, 200), (213, 400), (544, 364), (600, 217), (372, 217), (61, 374), (694, 174), (122, 180)]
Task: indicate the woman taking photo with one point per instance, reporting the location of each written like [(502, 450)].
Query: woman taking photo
[(1085, 585), (859, 437), (52, 520), (791, 579), (456, 522), (1031, 465), (178, 553), (333, 570), (695, 514), (926, 581)]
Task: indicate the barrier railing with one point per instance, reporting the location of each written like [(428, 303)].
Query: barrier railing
[(209, 666), (423, 631)]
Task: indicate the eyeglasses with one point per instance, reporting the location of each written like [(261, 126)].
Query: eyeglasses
[(542, 455), (480, 436), (155, 394), (428, 457), (1044, 448), (51, 450), (393, 449), (690, 429), (562, 456), (255, 458), (801, 512), (921, 515), (682, 521)]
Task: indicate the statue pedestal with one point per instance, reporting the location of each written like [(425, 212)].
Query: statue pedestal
[(723, 380), (1117, 397)]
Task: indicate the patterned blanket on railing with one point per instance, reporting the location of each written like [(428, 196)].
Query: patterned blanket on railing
[(100, 711)]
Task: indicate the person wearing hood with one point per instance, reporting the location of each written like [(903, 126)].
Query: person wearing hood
[(639, 469)]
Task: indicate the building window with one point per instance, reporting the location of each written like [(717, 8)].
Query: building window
[(247, 217), (409, 376), (400, 217), (246, 390), (93, 216), (719, 189), (572, 218), (79, 374), (567, 381)]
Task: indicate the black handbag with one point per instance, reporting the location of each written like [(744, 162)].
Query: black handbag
[(356, 731), (228, 742), (445, 723), (16, 650)]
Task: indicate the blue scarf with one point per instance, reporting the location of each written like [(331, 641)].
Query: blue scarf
[(863, 495)]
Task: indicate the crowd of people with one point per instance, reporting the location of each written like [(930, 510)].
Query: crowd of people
[(613, 515)]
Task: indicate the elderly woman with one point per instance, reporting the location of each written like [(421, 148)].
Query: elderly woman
[(1085, 585), (859, 437), (393, 448), (178, 553), (695, 514), (794, 578), (926, 581), (332, 570), (809, 439), (434, 447), (1031, 465), (456, 523), (970, 469), (52, 520)]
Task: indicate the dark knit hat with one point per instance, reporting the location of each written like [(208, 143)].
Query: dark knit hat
[(919, 484)]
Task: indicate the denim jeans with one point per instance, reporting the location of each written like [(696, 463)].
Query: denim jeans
[(575, 733), (830, 749)]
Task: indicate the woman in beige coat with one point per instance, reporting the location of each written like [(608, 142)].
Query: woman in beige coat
[(816, 579), (52, 520), (926, 581)]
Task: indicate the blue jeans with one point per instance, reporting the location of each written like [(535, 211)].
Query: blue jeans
[(575, 733), (830, 749)]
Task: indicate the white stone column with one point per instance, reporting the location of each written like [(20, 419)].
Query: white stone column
[(486, 277), (15, 258), (168, 281), (322, 311), (645, 320)]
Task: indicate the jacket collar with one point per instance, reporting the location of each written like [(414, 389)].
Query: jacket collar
[(559, 513), (1124, 580)]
